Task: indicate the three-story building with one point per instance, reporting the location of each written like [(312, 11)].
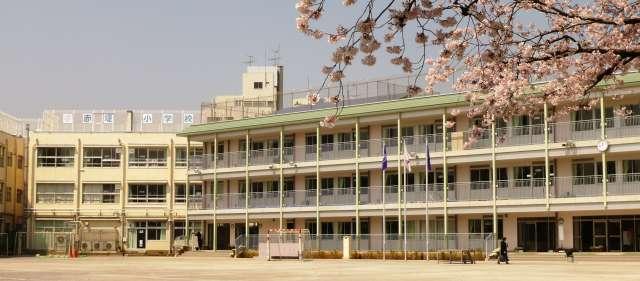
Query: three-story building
[(573, 181)]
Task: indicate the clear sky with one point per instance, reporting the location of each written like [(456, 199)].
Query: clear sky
[(149, 54)]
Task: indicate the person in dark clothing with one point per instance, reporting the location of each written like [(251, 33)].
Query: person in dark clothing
[(199, 237), (503, 251)]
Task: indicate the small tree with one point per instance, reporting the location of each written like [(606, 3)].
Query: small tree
[(573, 45)]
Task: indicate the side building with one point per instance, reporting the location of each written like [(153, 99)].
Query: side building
[(572, 182), (13, 168), (109, 180)]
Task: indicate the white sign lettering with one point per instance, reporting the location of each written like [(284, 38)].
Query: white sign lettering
[(147, 118), (167, 118), (67, 118)]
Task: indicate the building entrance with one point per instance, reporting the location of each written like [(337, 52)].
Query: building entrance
[(537, 234), (611, 234)]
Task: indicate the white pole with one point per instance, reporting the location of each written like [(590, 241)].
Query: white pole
[(404, 203), (426, 191), (384, 220)]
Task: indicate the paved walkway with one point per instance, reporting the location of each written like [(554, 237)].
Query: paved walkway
[(208, 268)]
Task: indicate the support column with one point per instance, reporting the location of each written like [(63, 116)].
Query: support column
[(399, 190), (357, 180), (547, 182), (281, 182), (445, 174), (186, 192), (318, 185), (215, 191), (494, 179), (246, 188), (603, 137)]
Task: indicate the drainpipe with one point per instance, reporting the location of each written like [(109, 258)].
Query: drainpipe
[(547, 182), (603, 137), (186, 192), (494, 178), (445, 174), (357, 181), (318, 232), (215, 191), (399, 190), (281, 182), (246, 189)]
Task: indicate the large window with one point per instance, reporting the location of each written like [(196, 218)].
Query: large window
[(485, 226), (148, 157), (101, 193), (101, 157), (631, 170), (55, 156), (53, 226), (154, 230), (147, 193), (179, 228), (1, 191), (181, 155), (54, 193), (195, 190), (2, 155)]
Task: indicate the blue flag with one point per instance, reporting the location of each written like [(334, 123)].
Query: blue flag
[(384, 157), (427, 154)]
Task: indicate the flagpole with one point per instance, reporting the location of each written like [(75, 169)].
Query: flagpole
[(426, 191), (384, 195), (404, 199), (384, 216)]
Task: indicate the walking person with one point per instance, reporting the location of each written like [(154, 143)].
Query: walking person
[(503, 251), (199, 238)]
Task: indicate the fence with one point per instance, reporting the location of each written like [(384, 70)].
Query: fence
[(13, 244), (414, 242)]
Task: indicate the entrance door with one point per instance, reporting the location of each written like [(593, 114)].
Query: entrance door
[(528, 236), (599, 235), (613, 235), (223, 236), (209, 243), (141, 238)]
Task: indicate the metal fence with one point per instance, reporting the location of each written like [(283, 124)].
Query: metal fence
[(13, 244)]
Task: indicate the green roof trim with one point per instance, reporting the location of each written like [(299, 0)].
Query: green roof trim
[(358, 110)]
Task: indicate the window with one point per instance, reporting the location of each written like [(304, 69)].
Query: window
[(480, 178), (632, 170), (585, 120), (19, 197), (147, 193), (181, 155), (2, 155), (310, 183), (179, 229), (53, 226), (407, 133), (257, 85), (310, 143), (10, 160), (54, 193), (101, 157), (1, 191), (7, 197), (327, 183), (289, 184), (101, 193), (484, 226), (195, 190), (147, 157), (156, 230), (590, 172), (20, 160), (327, 142), (55, 156)]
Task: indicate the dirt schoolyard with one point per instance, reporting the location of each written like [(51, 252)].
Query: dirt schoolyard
[(219, 268)]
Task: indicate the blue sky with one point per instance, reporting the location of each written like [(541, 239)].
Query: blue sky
[(150, 54)]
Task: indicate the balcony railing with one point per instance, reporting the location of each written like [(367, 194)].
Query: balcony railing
[(54, 197), (101, 197)]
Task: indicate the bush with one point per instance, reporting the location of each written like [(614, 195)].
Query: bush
[(335, 254), (413, 255)]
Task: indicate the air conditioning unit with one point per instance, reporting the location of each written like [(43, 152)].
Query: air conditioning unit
[(85, 247), (108, 246), (97, 245)]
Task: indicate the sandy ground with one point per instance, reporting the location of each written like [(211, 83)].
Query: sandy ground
[(218, 268)]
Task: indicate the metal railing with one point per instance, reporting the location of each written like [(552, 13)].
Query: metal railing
[(412, 242), (100, 197), (54, 197)]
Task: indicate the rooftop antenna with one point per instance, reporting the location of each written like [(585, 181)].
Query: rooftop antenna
[(275, 56)]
